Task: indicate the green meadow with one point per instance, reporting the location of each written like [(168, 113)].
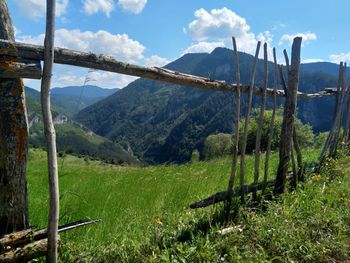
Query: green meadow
[(143, 210)]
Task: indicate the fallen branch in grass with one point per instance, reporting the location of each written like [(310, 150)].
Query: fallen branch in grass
[(13, 240)]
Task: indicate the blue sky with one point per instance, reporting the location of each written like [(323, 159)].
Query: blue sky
[(154, 32)]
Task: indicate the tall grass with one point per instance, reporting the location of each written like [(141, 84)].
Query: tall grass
[(130, 201)]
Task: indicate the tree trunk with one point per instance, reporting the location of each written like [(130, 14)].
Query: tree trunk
[(13, 141)]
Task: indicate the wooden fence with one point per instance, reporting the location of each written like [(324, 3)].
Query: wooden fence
[(21, 60)]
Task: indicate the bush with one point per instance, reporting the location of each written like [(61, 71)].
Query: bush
[(304, 131), (217, 145)]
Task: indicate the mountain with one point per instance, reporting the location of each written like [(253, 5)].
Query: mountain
[(165, 122), (70, 100), (72, 137)]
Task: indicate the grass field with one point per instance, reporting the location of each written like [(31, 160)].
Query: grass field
[(132, 202)]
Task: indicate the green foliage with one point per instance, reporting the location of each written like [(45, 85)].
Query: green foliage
[(144, 211), (304, 131), (320, 139), (217, 145), (195, 156)]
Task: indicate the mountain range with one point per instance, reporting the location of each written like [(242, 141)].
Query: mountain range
[(165, 122), (73, 137)]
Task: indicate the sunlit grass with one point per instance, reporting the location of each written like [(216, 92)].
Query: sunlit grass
[(128, 200)]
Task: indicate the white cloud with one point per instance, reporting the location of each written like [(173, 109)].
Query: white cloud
[(342, 57), (307, 37), (312, 60), (37, 8), (95, 6), (133, 6), (156, 60), (119, 46), (218, 26), (203, 47)]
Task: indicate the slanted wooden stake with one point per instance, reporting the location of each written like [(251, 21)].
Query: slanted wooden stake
[(288, 118), (260, 122), (231, 181), (330, 136), (347, 122), (50, 134), (338, 120), (246, 122), (272, 122), (298, 153)]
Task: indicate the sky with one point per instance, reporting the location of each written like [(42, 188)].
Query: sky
[(155, 32)]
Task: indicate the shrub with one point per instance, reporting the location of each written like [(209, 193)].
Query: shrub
[(217, 145)]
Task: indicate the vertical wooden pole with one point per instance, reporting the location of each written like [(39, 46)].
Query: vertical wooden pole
[(246, 122), (298, 153), (288, 117), (339, 115), (347, 122), (50, 134), (231, 181), (330, 136), (260, 122), (14, 214), (272, 122)]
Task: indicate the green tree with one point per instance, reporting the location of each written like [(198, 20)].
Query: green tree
[(217, 145)]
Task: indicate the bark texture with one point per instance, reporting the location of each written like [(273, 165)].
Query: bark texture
[(288, 118), (50, 134), (13, 144)]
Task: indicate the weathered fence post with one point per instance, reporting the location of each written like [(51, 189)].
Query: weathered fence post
[(260, 122), (246, 122), (272, 122), (288, 118), (50, 134), (13, 144), (235, 136)]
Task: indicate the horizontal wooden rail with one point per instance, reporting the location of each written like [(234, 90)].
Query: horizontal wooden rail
[(28, 235), (20, 69), (107, 63), (222, 196)]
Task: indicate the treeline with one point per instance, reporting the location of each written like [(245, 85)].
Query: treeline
[(219, 145)]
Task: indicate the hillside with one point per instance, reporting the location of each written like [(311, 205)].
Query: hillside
[(145, 216), (165, 122), (72, 137), (70, 100)]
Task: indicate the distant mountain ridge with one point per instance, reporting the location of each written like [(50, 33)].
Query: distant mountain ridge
[(165, 122), (72, 137)]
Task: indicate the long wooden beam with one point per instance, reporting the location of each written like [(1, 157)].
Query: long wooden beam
[(224, 195), (107, 63), (20, 69)]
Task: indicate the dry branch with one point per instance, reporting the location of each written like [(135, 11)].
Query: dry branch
[(247, 119), (25, 253), (272, 122), (261, 121), (231, 182), (107, 63), (26, 236), (222, 196), (50, 134)]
